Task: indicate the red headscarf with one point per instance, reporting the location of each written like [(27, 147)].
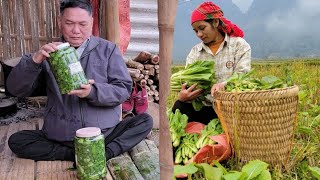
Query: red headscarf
[(208, 10)]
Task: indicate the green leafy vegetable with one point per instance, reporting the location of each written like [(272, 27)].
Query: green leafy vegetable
[(315, 171), (254, 168), (245, 82), (200, 72), (90, 158), (67, 69)]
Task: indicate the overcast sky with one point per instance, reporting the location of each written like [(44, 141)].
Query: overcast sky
[(243, 4), (300, 20)]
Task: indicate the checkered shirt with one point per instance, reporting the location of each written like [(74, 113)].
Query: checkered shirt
[(233, 55)]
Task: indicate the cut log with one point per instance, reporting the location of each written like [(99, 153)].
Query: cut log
[(122, 167), (145, 72), (137, 79), (150, 81), (156, 66), (133, 64), (146, 76), (156, 93), (143, 83), (155, 59), (150, 99), (156, 98), (157, 71), (156, 77), (152, 72), (146, 160), (135, 73), (150, 93), (153, 87), (147, 88), (143, 57), (148, 66)]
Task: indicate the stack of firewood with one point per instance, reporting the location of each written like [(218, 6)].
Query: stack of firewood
[(144, 70)]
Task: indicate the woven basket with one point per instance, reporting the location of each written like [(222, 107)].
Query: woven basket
[(259, 124)]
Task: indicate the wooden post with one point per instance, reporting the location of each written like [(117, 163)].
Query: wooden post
[(112, 21), (166, 18)]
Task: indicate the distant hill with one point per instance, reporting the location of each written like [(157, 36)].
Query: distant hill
[(274, 28)]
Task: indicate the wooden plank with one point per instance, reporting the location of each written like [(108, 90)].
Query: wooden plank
[(55, 18), (49, 19), (13, 127), (1, 35), (3, 138), (6, 30), (21, 168), (19, 29), (26, 25), (55, 170), (5, 164), (35, 25), (11, 28)]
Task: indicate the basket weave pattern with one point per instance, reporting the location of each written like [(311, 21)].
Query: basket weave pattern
[(260, 124)]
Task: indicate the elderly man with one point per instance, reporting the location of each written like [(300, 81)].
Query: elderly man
[(96, 104)]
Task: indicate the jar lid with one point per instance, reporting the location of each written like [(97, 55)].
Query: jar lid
[(88, 132), (63, 45)]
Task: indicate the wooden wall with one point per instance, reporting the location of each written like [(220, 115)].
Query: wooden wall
[(25, 25)]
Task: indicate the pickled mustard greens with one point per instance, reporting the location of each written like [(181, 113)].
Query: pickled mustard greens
[(90, 158), (67, 69)]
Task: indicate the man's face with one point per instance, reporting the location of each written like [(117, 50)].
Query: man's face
[(75, 25)]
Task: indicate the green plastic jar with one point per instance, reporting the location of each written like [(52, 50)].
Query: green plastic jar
[(66, 68), (90, 154)]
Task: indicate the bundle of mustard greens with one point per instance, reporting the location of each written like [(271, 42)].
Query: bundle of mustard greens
[(200, 72)]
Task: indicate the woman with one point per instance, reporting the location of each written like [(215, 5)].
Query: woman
[(223, 43)]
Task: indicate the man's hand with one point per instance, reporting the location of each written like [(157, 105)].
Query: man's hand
[(84, 91), (44, 52), (217, 87), (188, 94)]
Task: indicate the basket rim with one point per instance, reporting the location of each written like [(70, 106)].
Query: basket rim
[(259, 91)]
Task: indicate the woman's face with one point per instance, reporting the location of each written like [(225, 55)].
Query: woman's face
[(206, 32)]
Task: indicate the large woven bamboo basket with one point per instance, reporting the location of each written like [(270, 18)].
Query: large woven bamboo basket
[(259, 124)]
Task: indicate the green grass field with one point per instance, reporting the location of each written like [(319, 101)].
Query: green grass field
[(306, 145)]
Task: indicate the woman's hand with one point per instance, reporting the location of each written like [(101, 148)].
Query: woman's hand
[(217, 87), (188, 94), (84, 91)]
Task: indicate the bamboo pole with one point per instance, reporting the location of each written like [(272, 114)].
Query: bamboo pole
[(112, 21), (166, 18)]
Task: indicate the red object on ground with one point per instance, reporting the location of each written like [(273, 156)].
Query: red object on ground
[(194, 127), (219, 152), (208, 153)]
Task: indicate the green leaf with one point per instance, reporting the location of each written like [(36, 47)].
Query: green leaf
[(189, 169), (315, 171), (235, 176), (210, 173), (265, 175), (304, 130), (254, 168)]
